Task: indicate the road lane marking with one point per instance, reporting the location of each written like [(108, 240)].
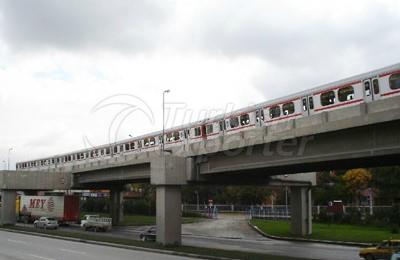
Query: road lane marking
[(72, 251), (17, 241), (40, 257)]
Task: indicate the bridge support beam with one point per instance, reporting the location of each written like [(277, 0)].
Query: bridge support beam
[(169, 214), (301, 218), (116, 206), (168, 173), (7, 210)]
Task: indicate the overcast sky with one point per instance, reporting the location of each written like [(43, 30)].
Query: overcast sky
[(75, 73)]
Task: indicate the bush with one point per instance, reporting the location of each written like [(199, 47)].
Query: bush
[(99, 205), (139, 207), (395, 229), (191, 214)]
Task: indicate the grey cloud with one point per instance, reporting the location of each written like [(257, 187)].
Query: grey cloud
[(297, 39), (303, 51), (75, 24)]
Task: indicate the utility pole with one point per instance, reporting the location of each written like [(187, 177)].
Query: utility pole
[(163, 119), (9, 151)]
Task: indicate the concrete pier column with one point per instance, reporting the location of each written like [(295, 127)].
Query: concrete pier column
[(7, 210), (169, 215), (301, 217), (116, 206), (168, 173)]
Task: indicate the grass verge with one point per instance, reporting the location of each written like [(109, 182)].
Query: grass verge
[(333, 232), (206, 252)]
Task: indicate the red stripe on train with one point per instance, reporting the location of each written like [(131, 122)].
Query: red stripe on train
[(339, 105), (299, 114)]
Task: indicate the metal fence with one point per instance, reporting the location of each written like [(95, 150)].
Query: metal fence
[(282, 211)]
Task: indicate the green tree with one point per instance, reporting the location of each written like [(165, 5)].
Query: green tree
[(386, 180), (330, 186)]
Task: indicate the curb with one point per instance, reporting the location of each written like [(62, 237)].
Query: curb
[(342, 243), (87, 241)]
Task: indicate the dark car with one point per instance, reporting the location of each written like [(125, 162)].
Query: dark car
[(149, 234)]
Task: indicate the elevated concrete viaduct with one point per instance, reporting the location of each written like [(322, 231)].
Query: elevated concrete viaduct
[(11, 182), (358, 136)]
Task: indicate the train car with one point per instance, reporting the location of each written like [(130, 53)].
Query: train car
[(368, 87)]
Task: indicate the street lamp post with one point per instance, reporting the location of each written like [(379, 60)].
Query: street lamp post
[(9, 151), (4, 164), (163, 119), (197, 200), (286, 201)]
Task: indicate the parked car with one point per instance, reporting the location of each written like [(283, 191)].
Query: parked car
[(46, 223), (383, 250), (149, 235)]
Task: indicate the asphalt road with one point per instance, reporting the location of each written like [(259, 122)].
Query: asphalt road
[(232, 232), (14, 246)]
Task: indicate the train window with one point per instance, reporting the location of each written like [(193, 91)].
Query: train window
[(346, 93), (132, 146), (197, 131), (274, 111), (304, 104), (394, 81), (108, 150), (127, 147), (288, 108), (176, 136), (328, 98), (375, 85), (115, 149), (152, 141), (311, 102), (52, 160), (221, 126), (121, 148), (234, 122), (146, 142), (245, 119), (367, 87), (169, 137), (209, 129)]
